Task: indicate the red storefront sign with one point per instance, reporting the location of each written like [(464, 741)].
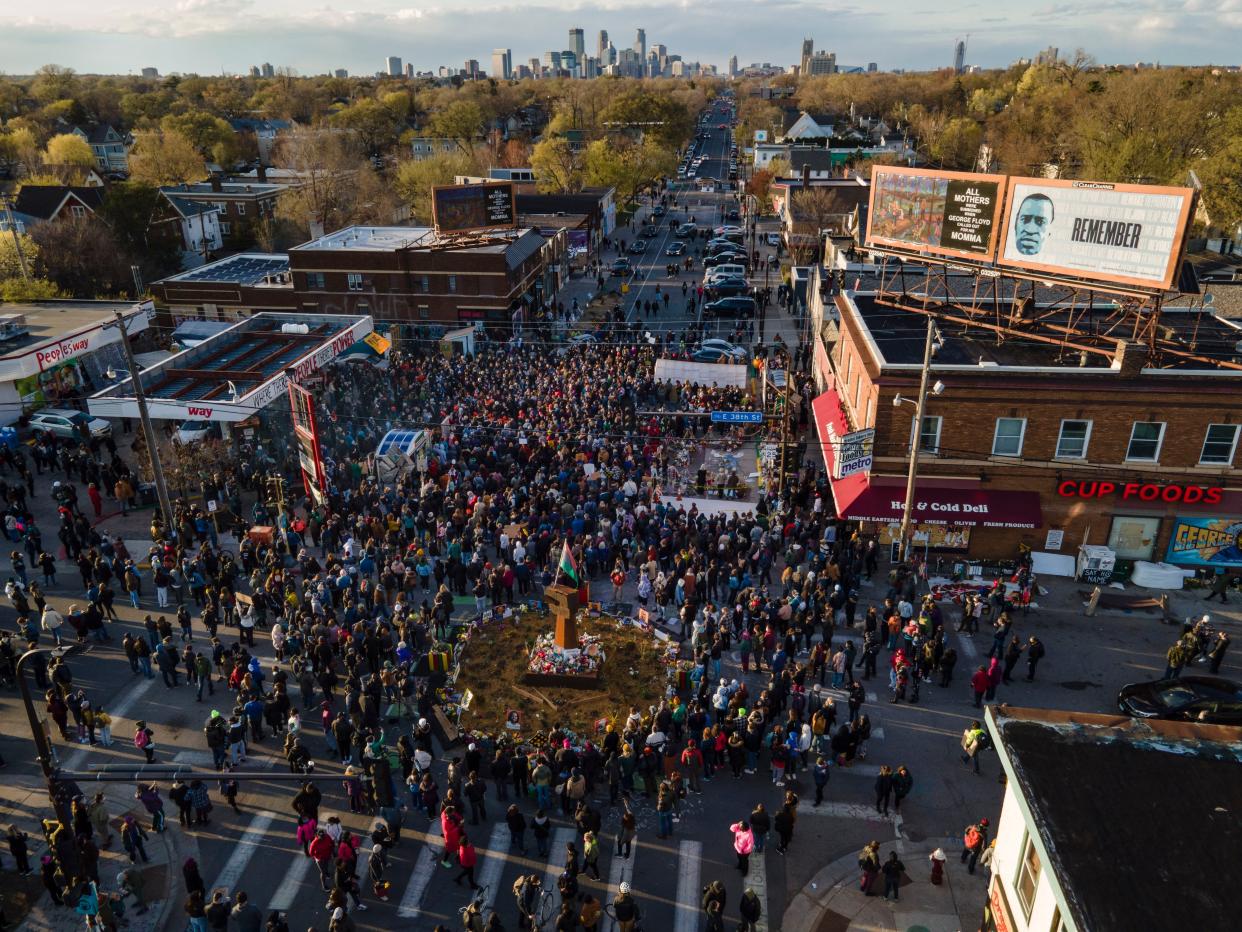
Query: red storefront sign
[(1142, 491)]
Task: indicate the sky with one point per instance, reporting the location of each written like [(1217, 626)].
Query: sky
[(214, 36)]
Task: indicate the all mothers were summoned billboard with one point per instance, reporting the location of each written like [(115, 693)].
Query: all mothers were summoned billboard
[(1128, 234), (936, 212)]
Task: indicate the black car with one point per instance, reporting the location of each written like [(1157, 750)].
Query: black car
[(726, 258), (1211, 700), (675, 249), (621, 267), (638, 247), (735, 306), (659, 211), (649, 231), (728, 287), (733, 214)]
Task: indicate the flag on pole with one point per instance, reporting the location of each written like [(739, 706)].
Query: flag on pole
[(567, 566)]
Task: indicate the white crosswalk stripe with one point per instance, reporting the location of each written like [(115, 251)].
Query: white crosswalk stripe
[(556, 858), (420, 879), (621, 870), (845, 811), (246, 846), (757, 880), (689, 868), (287, 892), (493, 864)]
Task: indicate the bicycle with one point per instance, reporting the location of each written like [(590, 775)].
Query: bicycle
[(540, 914), (477, 899)]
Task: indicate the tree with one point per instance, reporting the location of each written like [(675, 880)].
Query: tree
[(338, 187), (461, 121), (20, 291), (82, 257), (626, 166), (653, 114), (211, 136), (72, 154), (53, 82), (19, 149), (164, 158), (558, 168), (759, 185), (13, 252), (414, 180), (375, 125), (127, 209)]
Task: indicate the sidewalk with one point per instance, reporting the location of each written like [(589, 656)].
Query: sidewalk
[(832, 902)]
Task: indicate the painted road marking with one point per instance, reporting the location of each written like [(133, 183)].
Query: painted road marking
[(621, 870), (493, 864), (689, 866), (420, 879), (287, 892), (244, 850), (757, 880), (118, 710), (556, 857)]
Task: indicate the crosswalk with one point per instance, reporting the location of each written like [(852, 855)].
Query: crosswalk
[(424, 870), (689, 870)]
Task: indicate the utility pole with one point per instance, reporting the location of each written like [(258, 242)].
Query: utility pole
[(785, 411), (17, 240), (916, 437), (148, 431)]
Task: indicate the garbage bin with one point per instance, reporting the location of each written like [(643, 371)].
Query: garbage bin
[(8, 437), (146, 493)]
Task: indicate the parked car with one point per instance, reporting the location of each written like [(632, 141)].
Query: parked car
[(621, 267), (659, 211), (733, 214), (734, 306), (66, 423), (724, 346), (675, 249), (774, 239), (727, 288), (196, 431), (650, 230), (1211, 700), (638, 247), (711, 355)]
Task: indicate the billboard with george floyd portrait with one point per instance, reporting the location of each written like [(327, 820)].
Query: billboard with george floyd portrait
[(1128, 234)]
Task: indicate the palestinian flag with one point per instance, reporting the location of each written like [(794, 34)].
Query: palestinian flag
[(567, 566)]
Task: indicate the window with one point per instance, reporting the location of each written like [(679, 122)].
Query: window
[(423, 312), (1058, 924), (1027, 880), (355, 281), (77, 211), (1008, 438), (1219, 445), (1072, 444), (929, 436), (452, 284), (241, 209), (314, 280), (1145, 440), (226, 228), (426, 284)]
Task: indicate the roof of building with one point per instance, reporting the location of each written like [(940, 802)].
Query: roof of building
[(44, 201), (57, 320), (97, 133), (392, 239), (247, 124), (188, 208), (816, 159), (1138, 836), (203, 189), (900, 335), (244, 269)]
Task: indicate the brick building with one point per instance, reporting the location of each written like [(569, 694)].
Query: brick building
[(1033, 443)]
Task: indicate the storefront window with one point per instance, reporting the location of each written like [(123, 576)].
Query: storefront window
[(1145, 440), (1219, 444), (1027, 880), (1133, 538)]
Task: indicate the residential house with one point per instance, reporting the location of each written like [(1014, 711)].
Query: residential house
[(45, 203), (806, 162), (242, 205), (803, 125), (426, 147), (194, 225), (265, 133), (110, 147), (838, 215)]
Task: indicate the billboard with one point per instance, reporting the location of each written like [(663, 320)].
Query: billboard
[(1130, 234), (460, 208), (1199, 541), (942, 213)]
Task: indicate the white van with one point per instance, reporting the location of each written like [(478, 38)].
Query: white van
[(724, 270)]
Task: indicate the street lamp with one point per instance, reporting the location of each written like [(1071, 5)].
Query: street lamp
[(932, 343), (157, 468), (57, 792)]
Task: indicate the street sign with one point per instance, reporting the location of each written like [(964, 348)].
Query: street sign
[(737, 417)]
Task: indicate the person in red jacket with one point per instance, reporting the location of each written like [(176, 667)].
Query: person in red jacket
[(692, 764), (467, 857), (979, 683), (321, 849), (451, 825)]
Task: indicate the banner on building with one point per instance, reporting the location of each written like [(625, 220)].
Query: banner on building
[(853, 451), (1129, 234), (306, 436), (1199, 541), (937, 212)]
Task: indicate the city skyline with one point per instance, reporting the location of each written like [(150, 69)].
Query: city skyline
[(229, 35)]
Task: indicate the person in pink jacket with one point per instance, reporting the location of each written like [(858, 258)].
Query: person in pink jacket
[(451, 825), (743, 844)]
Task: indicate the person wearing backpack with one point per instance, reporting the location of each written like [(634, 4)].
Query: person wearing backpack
[(974, 840), (144, 740)]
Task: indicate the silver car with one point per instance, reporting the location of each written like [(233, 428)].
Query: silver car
[(65, 423)]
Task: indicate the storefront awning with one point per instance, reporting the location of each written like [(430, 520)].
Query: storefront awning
[(947, 505), (830, 419)]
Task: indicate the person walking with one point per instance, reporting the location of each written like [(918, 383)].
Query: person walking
[(784, 824), (1220, 587), (517, 828), (1034, 654), (629, 829), (467, 857), (903, 783), (974, 840), (743, 844), (979, 685), (144, 740), (883, 789), (869, 865), (972, 744), (892, 870), (1216, 655), (820, 775), (752, 911)]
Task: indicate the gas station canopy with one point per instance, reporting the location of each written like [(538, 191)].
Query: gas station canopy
[(237, 372)]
